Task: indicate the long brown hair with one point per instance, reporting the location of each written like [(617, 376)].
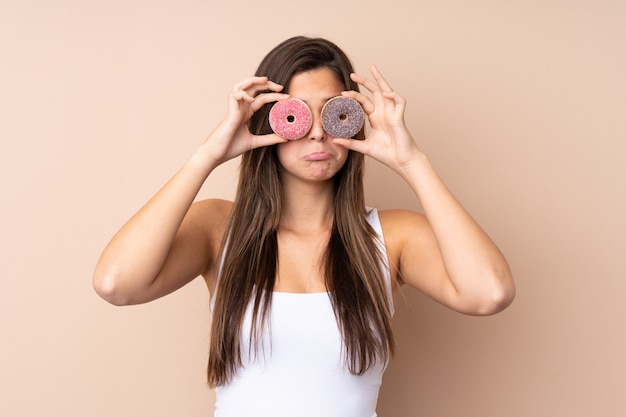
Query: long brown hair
[(352, 261)]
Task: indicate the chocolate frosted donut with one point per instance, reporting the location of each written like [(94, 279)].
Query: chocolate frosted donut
[(291, 118), (342, 117)]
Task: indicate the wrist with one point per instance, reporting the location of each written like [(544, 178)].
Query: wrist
[(202, 160), (414, 164)]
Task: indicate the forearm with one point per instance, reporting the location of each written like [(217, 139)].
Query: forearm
[(134, 256), (474, 264), (463, 268), (152, 254)]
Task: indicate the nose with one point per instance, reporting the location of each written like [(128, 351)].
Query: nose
[(317, 132)]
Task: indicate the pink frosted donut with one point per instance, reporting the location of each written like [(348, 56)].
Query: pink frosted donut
[(342, 117), (291, 118)]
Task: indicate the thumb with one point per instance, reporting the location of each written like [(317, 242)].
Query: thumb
[(351, 144), (266, 140)]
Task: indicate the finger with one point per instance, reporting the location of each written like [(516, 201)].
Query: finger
[(264, 87), (263, 99), (274, 86), (365, 82), (380, 80), (351, 144), (378, 95), (399, 101), (245, 84), (242, 96), (255, 84), (364, 101), (266, 140)]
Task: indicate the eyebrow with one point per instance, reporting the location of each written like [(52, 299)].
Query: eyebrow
[(323, 100)]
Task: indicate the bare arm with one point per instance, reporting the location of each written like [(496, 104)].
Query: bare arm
[(169, 241), (445, 253)]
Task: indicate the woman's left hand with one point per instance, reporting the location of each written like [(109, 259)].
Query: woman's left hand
[(389, 140), (445, 254)]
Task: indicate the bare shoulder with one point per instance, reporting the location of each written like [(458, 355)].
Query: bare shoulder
[(213, 209), (217, 204), (402, 229), (210, 218), (398, 224)]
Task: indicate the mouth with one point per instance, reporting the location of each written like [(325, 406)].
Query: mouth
[(318, 156)]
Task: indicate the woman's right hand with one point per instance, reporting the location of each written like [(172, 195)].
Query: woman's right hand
[(169, 242), (232, 137)]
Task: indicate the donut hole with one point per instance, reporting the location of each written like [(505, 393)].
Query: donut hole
[(343, 117), (291, 118)]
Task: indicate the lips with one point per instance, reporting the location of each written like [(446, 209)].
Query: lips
[(318, 156)]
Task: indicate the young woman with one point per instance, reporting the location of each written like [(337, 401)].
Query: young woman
[(301, 272)]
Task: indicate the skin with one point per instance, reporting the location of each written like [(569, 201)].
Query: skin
[(443, 253), (307, 168)]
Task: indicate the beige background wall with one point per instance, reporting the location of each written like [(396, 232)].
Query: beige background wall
[(521, 105)]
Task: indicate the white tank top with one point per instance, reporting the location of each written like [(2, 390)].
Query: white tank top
[(299, 370)]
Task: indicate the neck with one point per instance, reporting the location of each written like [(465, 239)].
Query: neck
[(308, 207)]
